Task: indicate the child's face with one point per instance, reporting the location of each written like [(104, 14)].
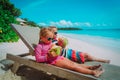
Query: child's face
[(48, 38), (55, 32)]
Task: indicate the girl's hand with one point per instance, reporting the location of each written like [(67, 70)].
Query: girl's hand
[(52, 54)]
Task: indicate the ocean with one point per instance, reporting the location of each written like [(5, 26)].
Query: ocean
[(105, 38)]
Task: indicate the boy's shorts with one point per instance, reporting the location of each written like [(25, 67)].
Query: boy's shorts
[(74, 55)]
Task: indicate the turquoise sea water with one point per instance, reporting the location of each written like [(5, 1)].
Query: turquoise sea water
[(109, 38), (109, 33)]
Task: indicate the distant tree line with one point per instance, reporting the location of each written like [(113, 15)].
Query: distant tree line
[(69, 28)]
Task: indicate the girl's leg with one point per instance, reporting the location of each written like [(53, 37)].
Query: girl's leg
[(92, 67), (88, 57), (66, 63)]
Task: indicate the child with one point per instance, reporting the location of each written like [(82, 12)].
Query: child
[(42, 54), (54, 30), (71, 54)]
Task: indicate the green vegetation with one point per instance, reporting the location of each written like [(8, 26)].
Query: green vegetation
[(8, 14), (69, 28)]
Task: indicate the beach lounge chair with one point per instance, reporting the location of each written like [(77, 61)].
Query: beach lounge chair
[(30, 36)]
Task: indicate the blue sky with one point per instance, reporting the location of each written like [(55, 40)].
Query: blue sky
[(72, 13)]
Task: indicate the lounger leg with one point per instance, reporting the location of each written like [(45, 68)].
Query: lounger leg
[(15, 67)]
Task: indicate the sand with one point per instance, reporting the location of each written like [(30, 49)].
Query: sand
[(14, 48)]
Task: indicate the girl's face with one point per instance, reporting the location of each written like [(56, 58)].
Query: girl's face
[(55, 33), (48, 38)]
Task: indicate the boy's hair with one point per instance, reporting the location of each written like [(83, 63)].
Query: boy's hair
[(51, 28)]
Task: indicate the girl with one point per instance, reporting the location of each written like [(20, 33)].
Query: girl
[(42, 55)]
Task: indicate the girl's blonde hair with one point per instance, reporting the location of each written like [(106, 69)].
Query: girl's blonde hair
[(44, 32)]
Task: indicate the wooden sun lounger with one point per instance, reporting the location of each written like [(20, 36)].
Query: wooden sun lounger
[(30, 36)]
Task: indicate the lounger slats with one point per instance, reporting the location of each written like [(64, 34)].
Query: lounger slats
[(29, 35), (64, 73)]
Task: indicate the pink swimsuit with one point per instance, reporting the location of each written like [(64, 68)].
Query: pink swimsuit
[(41, 51)]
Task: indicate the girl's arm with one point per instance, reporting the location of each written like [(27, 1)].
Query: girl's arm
[(38, 55)]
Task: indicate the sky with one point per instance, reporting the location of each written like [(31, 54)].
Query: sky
[(98, 14)]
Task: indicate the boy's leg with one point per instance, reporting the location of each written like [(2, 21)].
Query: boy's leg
[(88, 57)]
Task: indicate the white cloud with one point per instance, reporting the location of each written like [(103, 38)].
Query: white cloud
[(98, 24), (64, 23), (43, 24), (102, 24), (54, 23), (77, 24), (88, 24)]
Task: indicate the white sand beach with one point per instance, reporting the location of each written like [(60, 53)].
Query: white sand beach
[(19, 47), (13, 48)]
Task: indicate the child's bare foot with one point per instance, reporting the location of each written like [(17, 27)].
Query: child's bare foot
[(97, 73), (95, 67)]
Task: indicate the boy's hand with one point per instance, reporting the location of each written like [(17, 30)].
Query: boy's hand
[(60, 42)]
